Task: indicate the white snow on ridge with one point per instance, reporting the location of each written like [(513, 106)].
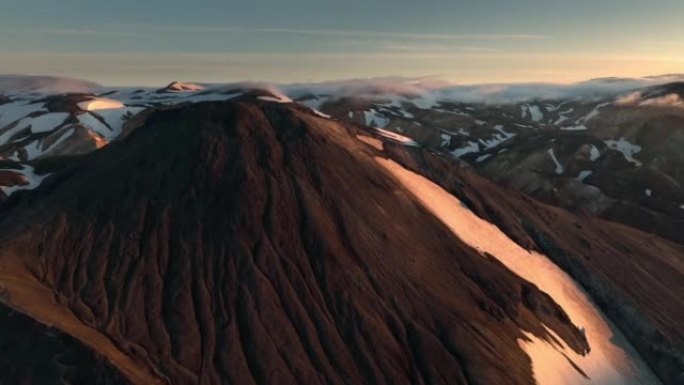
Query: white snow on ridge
[(34, 180), (584, 174), (563, 116), (559, 167), (321, 114), (627, 149), (446, 140), (611, 361), (482, 158), (274, 99), (594, 153), (536, 113), (594, 113), (396, 137), (496, 139), (469, 148)]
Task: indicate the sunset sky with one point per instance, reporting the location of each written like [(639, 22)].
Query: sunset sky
[(151, 42)]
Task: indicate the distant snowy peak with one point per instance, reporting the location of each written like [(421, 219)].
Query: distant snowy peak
[(182, 87)]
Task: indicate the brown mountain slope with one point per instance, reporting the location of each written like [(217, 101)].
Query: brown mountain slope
[(635, 277), (36, 354), (253, 243)]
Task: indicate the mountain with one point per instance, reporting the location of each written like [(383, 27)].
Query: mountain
[(233, 235), (230, 252), (181, 87)]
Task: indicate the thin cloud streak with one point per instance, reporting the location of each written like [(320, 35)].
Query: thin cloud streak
[(661, 43), (135, 29), (417, 36), (76, 32)]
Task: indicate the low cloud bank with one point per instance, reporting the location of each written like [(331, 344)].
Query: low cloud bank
[(437, 90), (46, 84), (637, 99)]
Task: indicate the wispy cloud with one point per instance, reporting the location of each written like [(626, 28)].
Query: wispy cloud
[(673, 43), (141, 29), (78, 31), (404, 35), (399, 46)]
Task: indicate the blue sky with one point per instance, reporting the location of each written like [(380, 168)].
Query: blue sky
[(152, 41)]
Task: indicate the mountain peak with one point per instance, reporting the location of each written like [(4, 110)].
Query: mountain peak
[(182, 87)]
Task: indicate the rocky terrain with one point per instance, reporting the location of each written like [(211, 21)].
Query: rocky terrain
[(609, 147), (230, 235)]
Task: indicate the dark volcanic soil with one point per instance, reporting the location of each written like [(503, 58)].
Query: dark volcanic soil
[(252, 243), (33, 353)]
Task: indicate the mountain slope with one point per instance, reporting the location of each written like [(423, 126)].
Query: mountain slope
[(251, 242), (634, 277)]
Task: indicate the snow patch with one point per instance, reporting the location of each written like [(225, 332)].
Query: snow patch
[(579, 127), (100, 104), (497, 138), (446, 140), (274, 99), (319, 113), (584, 174), (594, 153), (627, 149), (469, 148), (34, 180), (482, 158), (536, 113), (396, 137), (559, 167)]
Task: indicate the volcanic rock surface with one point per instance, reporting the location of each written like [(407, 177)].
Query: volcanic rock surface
[(250, 242)]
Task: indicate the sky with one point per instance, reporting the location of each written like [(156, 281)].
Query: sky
[(153, 42)]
